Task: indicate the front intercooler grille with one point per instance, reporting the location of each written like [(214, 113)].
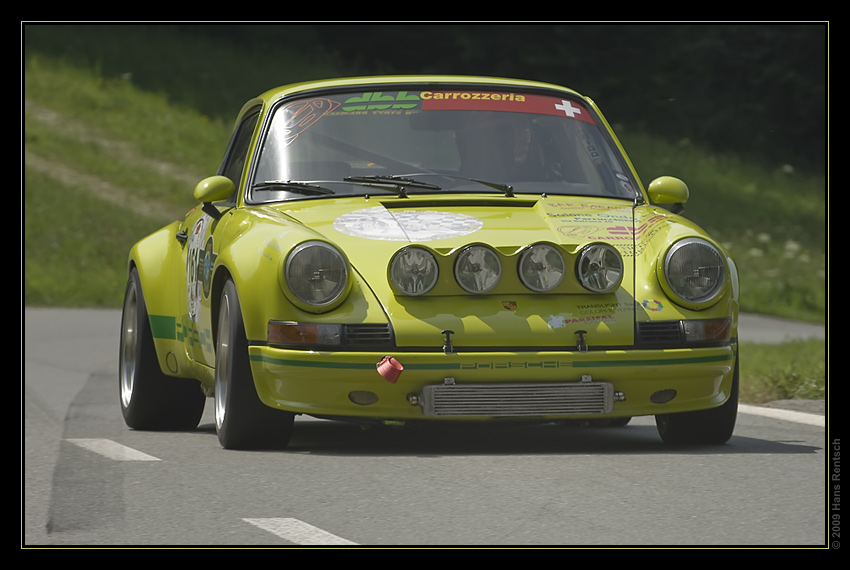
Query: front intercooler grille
[(517, 400)]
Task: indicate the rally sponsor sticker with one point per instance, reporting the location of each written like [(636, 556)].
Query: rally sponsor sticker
[(514, 102), (406, 225)]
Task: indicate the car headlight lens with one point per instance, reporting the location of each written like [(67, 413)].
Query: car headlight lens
[(414, 271), (316, 273), (478, 269), (599, 268), (541, 267), (694, 270)]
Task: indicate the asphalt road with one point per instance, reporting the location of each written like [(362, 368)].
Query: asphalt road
[(771, 330), (89, 481)]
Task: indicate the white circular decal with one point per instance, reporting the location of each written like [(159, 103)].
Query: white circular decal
[(406, 225)]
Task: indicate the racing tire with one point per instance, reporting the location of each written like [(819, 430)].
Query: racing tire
[(712, 426), (242, 421), (150, 399)]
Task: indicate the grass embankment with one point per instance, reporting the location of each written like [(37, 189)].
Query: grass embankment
[(106, 163)]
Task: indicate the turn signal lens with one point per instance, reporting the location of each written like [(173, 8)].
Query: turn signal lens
[(707, 329), (312, 334)]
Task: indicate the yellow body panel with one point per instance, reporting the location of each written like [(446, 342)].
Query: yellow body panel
[(293, 380)]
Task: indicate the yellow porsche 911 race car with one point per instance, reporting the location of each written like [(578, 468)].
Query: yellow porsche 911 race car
[(429, 249)]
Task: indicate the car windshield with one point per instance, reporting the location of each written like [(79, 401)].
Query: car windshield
[(431, 141)]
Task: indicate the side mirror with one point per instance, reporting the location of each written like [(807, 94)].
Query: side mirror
[(669, 190), (214, 189)]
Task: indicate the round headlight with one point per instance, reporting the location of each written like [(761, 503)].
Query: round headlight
[(694, 270), (541, 267), (316, 273), (599, 268), (414, 271), (478, 269)]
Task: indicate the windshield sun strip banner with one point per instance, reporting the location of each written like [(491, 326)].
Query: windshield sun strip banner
[(450, 100), (305, 113)]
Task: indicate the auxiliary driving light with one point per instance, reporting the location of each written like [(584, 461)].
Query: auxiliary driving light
[(478, 269)]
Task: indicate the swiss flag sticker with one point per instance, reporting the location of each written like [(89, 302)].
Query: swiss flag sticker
[(512, 102)]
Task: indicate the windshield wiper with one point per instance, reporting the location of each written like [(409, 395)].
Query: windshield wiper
[(396, 183), (506, 188), (393, 183), (293, 186)]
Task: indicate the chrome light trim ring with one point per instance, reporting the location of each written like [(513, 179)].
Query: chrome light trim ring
[(541, 267), (694, 271), (599, 268), (414, 271), (301, 280), (478, 269)]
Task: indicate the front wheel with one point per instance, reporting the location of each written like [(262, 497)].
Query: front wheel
[(712, 426), (242, 421), (151, 400)]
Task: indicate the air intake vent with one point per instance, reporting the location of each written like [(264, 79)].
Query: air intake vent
[(659, 333), (376, 335)]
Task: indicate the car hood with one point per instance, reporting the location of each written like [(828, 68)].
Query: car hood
[(370, 231)]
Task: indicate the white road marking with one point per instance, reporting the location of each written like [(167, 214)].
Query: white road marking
[(303, 533), (788, 415), (299, 532), (113, 450)]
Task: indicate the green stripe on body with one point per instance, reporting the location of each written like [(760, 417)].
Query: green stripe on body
[(459, 366), (163, 326)]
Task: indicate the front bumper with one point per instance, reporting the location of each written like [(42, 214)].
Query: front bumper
[(632, 383)]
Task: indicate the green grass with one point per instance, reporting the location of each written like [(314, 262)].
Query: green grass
[(788, 371), (107, 162), (72, 259)]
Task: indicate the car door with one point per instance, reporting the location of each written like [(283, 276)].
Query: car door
[(200, 250)]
